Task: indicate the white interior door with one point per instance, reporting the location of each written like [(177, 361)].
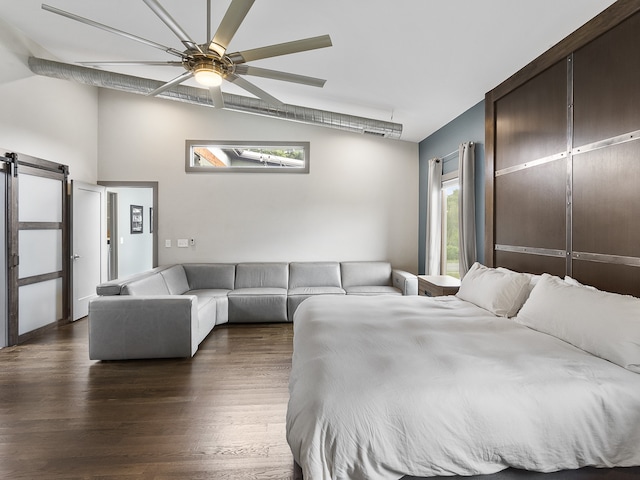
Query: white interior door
[(88, 249)]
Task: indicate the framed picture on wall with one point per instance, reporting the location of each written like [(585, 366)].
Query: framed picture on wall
[(136, 218)]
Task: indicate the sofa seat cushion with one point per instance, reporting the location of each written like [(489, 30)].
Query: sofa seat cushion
[(373, 290), (316, 291), (209, 292), (259, 291), (298, 295)]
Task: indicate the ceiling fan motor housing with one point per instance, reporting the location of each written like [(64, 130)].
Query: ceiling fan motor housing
[(195, 61)]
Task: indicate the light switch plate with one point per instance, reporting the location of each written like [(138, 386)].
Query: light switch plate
[(183, 243)]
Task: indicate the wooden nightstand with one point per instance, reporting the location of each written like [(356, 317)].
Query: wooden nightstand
[(437, 285)]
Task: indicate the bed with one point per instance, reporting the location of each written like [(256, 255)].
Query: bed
[(544, 376)]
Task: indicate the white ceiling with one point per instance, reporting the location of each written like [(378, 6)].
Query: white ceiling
[(420, 63)]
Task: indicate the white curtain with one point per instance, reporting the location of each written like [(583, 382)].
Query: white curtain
[(434, 218), (467, 207)]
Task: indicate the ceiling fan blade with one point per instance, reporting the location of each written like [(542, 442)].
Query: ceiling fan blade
[(281, 49), (251, 88), (276, 75), (109, 29), (208, 18), (134, 63), (229, 25), (172, 24), (168, 85), (216, 96)]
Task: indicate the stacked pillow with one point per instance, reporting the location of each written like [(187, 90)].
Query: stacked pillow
[(604, 324), (500, 291)]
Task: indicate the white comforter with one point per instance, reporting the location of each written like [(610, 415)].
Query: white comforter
[(384, 386)]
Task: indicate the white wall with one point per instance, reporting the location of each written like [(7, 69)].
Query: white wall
[(51, 119), (135, 250), (359, 201)]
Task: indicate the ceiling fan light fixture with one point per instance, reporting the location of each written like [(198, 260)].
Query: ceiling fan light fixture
[(207, 75)]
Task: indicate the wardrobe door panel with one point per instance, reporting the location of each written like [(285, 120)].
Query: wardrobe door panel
[(530, 207), (606, 201), (531, 121), (606, 78)]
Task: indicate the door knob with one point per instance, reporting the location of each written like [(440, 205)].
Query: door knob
[(75, 256)]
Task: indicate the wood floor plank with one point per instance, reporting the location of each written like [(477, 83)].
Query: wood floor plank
[(219, 415)]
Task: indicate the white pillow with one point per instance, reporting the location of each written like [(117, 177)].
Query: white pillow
[(533, 279), (573, 281), (500, 292), (604, 324)]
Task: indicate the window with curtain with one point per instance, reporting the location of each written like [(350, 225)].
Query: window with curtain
[(451, 236)]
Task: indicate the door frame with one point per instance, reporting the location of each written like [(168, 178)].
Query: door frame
[(154, 187)]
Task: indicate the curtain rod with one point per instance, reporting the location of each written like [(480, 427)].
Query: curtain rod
[(454, 152), (449, 155)]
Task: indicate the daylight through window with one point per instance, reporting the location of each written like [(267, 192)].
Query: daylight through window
[(450, 231), (214, 156)]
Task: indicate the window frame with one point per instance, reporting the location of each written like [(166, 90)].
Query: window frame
[(190, 145)]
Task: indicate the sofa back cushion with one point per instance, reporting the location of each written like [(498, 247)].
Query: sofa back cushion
[(151, 285), (114, 287), (261, 275), (314, 274), (365, 273), (175, 279), (208, 276)]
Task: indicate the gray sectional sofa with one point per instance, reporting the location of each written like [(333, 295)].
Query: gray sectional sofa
[(166, 312)]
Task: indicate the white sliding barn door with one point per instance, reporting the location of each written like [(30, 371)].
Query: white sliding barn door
[(88, 248), (38, 246), (40, 242)]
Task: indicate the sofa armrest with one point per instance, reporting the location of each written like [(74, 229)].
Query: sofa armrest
[(405, 281), (146, 326)]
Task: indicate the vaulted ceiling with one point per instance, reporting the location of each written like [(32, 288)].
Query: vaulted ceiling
[(419, 63)]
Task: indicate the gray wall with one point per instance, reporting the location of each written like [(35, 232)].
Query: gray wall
[(467, 127)]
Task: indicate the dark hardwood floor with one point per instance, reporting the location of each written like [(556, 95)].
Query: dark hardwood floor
[(219, 415)]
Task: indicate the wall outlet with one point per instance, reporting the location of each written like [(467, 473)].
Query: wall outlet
[(167, 243), (183, 243)]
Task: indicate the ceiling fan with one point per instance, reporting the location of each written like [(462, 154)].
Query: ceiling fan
[(209, 63)]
